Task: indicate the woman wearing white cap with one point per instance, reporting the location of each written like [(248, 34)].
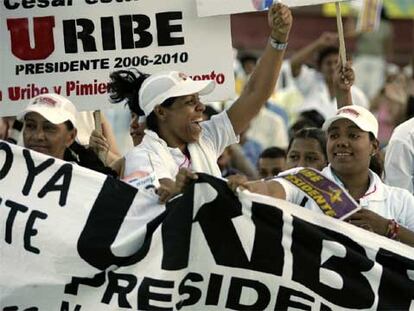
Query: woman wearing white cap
[(50, 127), (49, 124), (176, 137), (351, 142)]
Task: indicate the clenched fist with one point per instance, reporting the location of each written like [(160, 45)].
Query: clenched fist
[(280, 20)]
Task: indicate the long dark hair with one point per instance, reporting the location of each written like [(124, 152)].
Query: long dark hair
[(124, 86), (376, 163)]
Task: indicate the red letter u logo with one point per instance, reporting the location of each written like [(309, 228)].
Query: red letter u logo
[(43, 37)]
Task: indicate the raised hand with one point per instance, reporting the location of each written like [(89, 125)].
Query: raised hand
[(327, 39), (97, 142), (344, 76), (280, 20), (169, 188)]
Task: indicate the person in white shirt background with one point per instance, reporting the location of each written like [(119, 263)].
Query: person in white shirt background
[(316, 85), (399, 155)]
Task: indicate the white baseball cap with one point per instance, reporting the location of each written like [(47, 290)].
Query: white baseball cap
[(163, 85), (53, 107), (362, 118)]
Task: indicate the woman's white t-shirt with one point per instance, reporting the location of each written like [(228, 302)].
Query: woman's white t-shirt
[(153, 154), (387, 201)]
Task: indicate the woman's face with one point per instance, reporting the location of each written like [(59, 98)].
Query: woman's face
[(136, 129), (43, 136), (182, 119), (328, 66), (306, 152), (349, 148)]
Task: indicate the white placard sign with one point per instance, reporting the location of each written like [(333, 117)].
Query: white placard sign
[(70, 47)]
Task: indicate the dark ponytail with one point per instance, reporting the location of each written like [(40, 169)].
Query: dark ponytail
[(124, 86), (376, 164)]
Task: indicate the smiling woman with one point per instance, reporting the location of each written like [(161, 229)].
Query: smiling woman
[(351, 143), (175, 137), (49, 125), (45, 137)]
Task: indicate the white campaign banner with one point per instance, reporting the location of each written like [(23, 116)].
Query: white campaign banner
[(72, 239), (70, 47), (219, 7)]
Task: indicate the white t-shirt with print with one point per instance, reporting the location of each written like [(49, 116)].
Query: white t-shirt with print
[(388, 202)]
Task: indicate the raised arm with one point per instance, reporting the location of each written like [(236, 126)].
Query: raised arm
[(303, 55), (262, 81), (343, 79)]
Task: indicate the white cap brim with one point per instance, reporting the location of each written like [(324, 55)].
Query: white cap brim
[(52, 114), (363, 126), (187, 87)]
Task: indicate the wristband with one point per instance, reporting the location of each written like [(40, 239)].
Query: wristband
[(277, 45)]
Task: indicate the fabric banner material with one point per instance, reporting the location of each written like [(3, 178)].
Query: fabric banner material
[(218, 7), (70, 47), (72, 239)]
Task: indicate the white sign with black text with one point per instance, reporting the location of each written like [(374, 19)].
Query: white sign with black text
[(70, 47)]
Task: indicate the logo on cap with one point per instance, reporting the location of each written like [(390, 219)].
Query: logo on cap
[(45, 101), (349, 111)]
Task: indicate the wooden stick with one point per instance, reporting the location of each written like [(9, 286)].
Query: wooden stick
[(342, 50), (98, 121), (102, 155)]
